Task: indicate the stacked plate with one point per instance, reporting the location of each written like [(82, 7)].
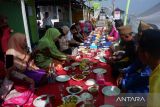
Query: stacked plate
[(99, 71)]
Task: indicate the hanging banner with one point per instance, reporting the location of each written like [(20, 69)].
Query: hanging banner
[(97, 9)]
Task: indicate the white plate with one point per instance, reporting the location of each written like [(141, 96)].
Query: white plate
[(106, 105), (66, 68), (63, 78), (75, 64), (38, 102), (90, 82), (103, 41), (64, 99), (111, 91), (69, 88), (99, 71), (107, 47), (97, 57), (81, 44), (86, 95)]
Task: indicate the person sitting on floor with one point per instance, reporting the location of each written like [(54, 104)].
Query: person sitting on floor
[(17, 46), (87, 27), (76, 35), (114, 35), (47, 50), (127, 53), (127, 45), (16, 89), (135, 77), (63, 43), (71, 40), (80, 31), (149, 54)]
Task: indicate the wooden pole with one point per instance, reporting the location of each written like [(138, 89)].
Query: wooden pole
[(25, 24), (127, 8)]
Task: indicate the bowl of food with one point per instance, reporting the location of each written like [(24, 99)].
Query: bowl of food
[(93, 89), (78, 77), (74, 89), (71, 99), (86, 73)]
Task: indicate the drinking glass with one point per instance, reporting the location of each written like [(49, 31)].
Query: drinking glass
[(88, 103), (100, 79), (61, 88)]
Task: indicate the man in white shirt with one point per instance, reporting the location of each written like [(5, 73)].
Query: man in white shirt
[(70, 38), (47, 23)]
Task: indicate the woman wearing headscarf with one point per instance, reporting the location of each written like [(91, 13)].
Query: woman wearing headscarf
[(114, 35), (17, 46), (47, 50)]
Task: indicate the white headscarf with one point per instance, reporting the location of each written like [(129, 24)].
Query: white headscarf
[(65, 29)]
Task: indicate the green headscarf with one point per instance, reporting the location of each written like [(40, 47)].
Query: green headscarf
[(46, 43), (49, 37)]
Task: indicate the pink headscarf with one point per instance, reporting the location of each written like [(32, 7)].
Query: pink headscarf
[(65, 29), (18, 42), (17, 47), (114, 33)]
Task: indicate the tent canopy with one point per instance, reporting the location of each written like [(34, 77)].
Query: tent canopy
[(151, 16)]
